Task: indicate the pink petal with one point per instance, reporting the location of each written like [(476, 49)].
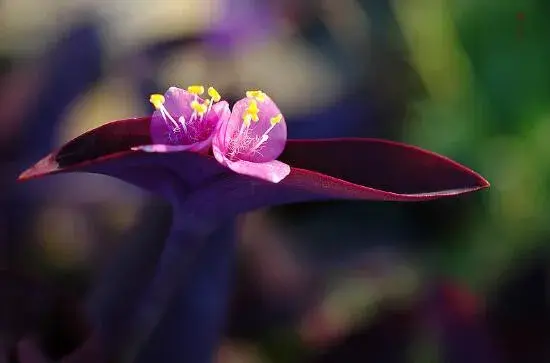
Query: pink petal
[(161, 148), (178, 101), (219, 154), (270, 149), (273, 171), (219, 113), (178, 104), (219, 141)]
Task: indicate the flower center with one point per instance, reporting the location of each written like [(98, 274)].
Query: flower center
[(243, 141), (193, 127)]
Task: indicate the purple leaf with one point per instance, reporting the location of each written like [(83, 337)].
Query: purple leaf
[(368, 169)]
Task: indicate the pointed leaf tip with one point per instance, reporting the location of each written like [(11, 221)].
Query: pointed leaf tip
[(46, 166), (101, 142), (387, 166)]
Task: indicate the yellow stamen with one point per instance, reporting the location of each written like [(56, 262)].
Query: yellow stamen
[(199, 108), (157, 100), (196, 90), (259, 95), (214, 94), (253, 107), (276, 119), (246, 119), (252, 110)]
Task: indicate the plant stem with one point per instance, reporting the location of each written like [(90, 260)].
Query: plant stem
[(181, 315)]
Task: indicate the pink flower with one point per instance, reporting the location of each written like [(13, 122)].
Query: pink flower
[(250, 140), (185, 121)]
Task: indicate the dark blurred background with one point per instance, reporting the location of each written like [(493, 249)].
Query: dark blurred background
[(459, 280)]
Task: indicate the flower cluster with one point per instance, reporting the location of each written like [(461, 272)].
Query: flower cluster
[(247, 139)]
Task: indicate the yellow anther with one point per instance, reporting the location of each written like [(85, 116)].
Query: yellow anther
[(214, 94), (199, 108), (276, 119), (259, 95), (253, 108), (157, 100), (196, 90), (246, 119), (252, 111)]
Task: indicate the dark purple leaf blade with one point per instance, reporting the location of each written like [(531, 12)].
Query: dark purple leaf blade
[(368, 169), (383, 165)]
